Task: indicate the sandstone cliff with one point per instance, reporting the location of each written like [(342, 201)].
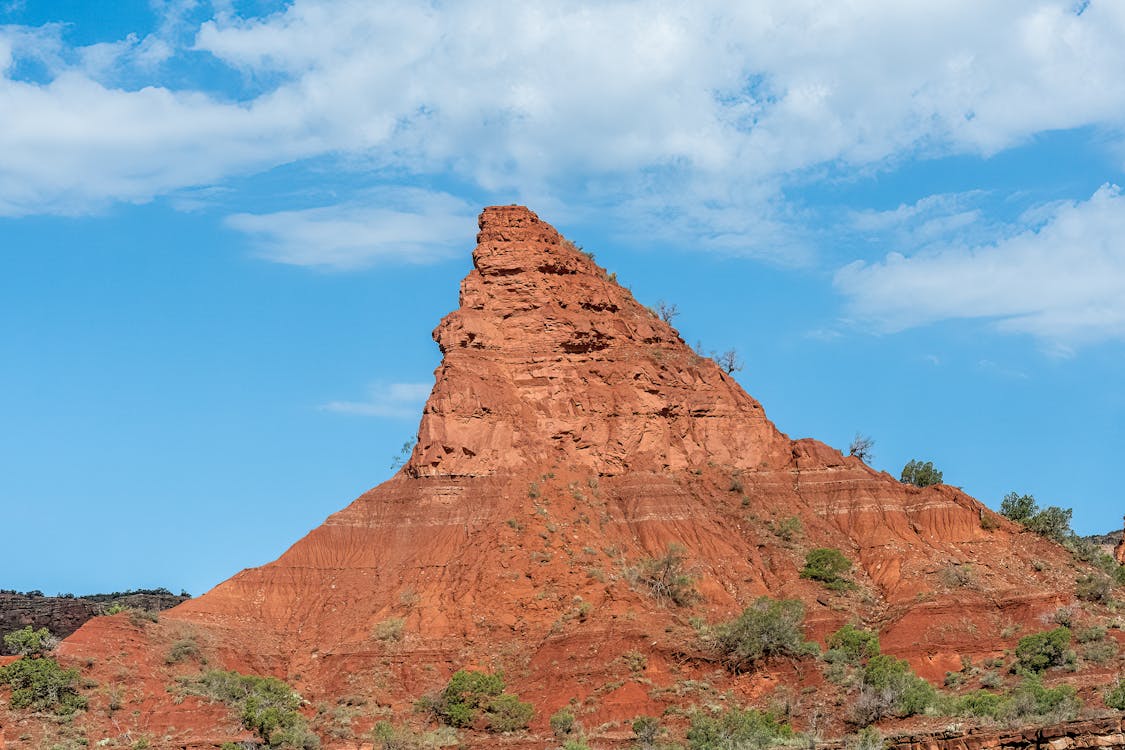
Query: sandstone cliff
[(570, 434)]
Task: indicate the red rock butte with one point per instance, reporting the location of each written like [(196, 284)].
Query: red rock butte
[(570, 434)]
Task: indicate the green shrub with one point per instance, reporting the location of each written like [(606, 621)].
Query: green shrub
[(1040, 651), (888, 687), (1115, 695), (828, 566), (667, 577), (469, 695), (920, 474), (646, 729), (1031, 700), (562, 722), (185, 648), (978, 703), (30, 642), (1052, 522), (265, 705), (765, 629), (854, 643), (736, 728), (1095, 587), (507, 713), (42, 685)]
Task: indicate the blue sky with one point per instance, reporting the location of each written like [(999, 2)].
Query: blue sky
[(228, 229)]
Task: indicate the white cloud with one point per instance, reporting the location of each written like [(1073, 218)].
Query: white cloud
[(1062, 280), (394, 401), (402, 225), (591, 100)]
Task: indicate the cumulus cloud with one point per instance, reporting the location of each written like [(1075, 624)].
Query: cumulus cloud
[(394, 401), (1061, 278), (592, 100), (403, 225)]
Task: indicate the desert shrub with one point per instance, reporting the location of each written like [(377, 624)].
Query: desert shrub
[(1100, 652), (1115, 695), (854, 643), (765, 629), (507, 713), (1093, 588), (978, 703), (888, 687), (1090, 634), (1031, 700), (389, 630), (957, 576), (667, 576), (868, 738), (42, 685), (387, 736), (828, 566), (736, 728), (920, 474), (787, 528), (1040, 651), (562, 722), (470, 695), (265, 706), (1019, 508), (30, 642), (1052, 522), (181, 650), (1028, 701), (646, 730)]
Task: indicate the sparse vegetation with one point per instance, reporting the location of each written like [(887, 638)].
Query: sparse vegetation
[(861, 448), (646, 730), (471, 697), (1052, 522), (182, 650), (389, 630), (736, 728), (828, 566), (667, 577), (767, 628), (1040, 651), (39, 683), (1028, 701), (562, 722), (920, 474), (30, 642), (888, 687), (1115, 695), (265, 705), (787, 529), (853, 644)]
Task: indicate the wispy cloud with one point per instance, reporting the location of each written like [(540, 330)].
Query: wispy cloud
[(1061, 280), (394, 401), (404, 225)]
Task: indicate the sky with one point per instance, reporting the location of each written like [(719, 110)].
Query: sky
[(228, 228)]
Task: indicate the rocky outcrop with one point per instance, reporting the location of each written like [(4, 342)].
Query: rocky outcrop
[(62, 615), (1107, 732), (1119, 550), (570, 435)]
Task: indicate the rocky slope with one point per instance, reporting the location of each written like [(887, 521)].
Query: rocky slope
[(570, 435)]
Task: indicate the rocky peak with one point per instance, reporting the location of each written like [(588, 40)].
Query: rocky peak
[(549, 361)]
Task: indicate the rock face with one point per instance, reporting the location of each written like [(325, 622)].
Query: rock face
[(570, 435), (1119, 551), (62, 615)]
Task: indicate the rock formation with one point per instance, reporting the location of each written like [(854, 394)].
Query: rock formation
[(62, 615), (1119, 550), (571, 434)]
